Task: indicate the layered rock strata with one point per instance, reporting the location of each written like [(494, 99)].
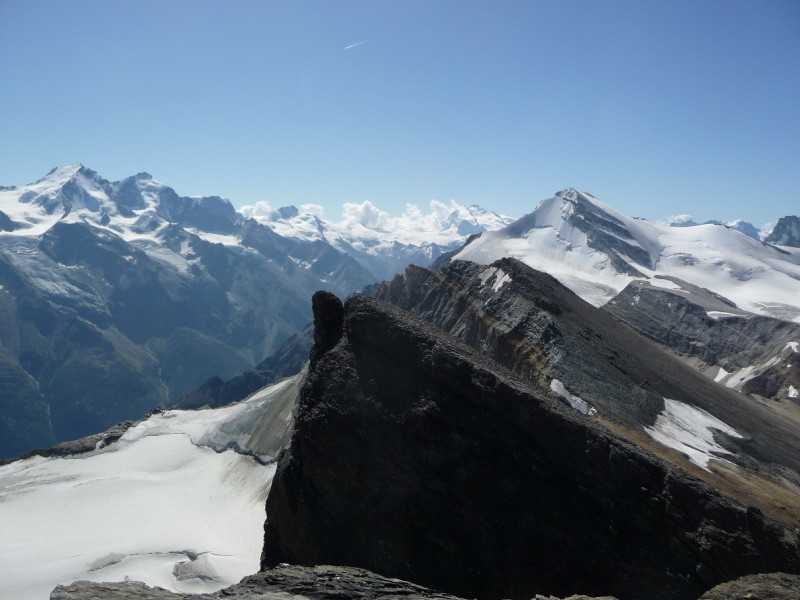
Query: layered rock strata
[(416, 457)]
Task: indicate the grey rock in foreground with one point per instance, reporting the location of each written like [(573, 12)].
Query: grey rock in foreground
[(766, 586), (281, 583), (338, 583)]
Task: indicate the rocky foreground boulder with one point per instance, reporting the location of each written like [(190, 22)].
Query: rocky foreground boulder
[(339, 583), (418, 458), (282, 583)]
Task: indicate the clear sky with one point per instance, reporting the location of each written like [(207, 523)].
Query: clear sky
[(657, 108)]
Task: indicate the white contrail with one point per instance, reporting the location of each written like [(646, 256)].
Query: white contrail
[(354, 45)]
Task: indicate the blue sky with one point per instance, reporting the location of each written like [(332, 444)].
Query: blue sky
[(657, 108)]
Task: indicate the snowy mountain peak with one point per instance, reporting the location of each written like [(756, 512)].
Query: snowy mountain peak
[(138, 205), (63, 173), (596, 251), (65, 189)]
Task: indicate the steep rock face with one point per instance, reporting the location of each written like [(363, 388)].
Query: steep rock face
[(786, 232), (756, 354), (546, 335), (418, 458)]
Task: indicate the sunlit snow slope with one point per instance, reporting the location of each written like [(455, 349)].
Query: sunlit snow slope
[(167, 504), (596, 251)]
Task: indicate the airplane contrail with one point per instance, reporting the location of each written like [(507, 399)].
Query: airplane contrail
[(354, 45)]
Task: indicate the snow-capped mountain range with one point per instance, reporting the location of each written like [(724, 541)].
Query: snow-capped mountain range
[(140, 208), (597, 251), (148, 294), (379, 242), (116, 297)]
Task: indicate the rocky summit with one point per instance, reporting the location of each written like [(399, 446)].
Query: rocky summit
[(416, 457)]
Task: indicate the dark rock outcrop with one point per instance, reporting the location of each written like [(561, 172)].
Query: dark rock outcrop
[(416, 457), (79, 446), (328, 323)]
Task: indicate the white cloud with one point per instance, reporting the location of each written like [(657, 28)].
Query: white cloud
[(680, 220), (259, 210), (313, 209), (366, 214)]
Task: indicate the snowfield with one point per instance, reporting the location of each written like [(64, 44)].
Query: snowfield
[(690, 430), (167, 504)]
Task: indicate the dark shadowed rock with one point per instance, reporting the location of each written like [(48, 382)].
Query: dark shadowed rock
[(534, 326), (417, 457), (328, 322)]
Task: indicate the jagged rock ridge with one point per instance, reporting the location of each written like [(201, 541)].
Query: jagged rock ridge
[(549, 337), (418, 458), (786, 232)]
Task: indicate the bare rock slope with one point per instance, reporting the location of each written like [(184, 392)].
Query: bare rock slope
[(416, 457)]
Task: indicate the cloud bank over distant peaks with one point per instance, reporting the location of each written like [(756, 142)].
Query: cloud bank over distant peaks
[(440, 215)]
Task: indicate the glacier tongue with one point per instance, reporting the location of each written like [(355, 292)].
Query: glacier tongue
[(166, 504)]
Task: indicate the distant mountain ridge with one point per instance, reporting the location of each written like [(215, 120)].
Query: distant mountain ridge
[(118, 297)]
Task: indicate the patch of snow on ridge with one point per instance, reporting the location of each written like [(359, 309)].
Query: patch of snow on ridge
[(575, 402), (721, 375), (166, 505), (719, 314), (666, 284), (502, 279), (793, 392), (690, 430), (487, 275)]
